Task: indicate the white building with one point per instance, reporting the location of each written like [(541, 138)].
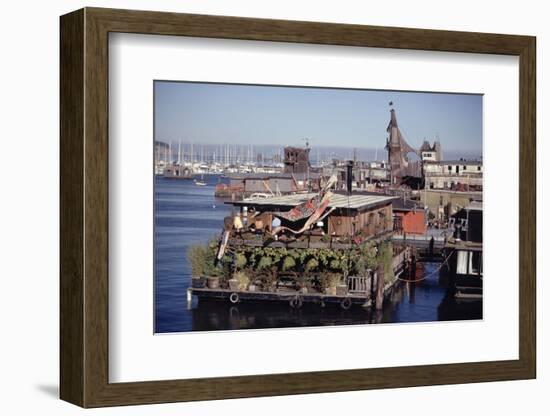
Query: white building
[(453, 174)]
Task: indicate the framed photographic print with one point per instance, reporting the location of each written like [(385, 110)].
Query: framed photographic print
[(255, 207)]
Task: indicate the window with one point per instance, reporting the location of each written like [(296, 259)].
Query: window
[(476, 264), (450, 168), (464, 167), (462, 262), (479, 168)]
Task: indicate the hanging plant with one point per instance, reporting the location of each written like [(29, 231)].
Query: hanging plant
[(240, 261), (265, 263), (288, 263), (311, 265)]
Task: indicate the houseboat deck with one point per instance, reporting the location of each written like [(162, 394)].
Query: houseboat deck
[(360, 291), (292, 297)]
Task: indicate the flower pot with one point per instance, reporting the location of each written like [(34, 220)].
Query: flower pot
[(251, 288), (341, 290), (331, 291), (233, 284), (213, 282), (198, 282)]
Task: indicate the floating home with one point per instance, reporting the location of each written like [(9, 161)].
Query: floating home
[(245, 185), (324, 248), (346, 216), (464, 252)]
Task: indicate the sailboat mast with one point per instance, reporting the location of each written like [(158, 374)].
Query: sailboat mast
[(170, 152)]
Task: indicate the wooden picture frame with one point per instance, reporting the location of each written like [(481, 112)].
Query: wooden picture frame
[(84, 207)]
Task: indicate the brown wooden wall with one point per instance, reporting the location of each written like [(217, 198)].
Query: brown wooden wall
[(372, 222)]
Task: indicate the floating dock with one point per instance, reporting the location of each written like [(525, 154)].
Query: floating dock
[(294, 298)]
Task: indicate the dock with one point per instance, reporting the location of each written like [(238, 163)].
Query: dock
[(294, 298)]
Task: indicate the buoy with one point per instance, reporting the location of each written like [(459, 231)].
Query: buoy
[(234, 297), (346, 303)]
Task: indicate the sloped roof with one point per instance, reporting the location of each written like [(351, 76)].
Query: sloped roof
[(338, 200)]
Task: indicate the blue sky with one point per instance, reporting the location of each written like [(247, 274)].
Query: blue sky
[(265, 115)]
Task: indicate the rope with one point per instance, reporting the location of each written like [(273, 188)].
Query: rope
[(428, 275)]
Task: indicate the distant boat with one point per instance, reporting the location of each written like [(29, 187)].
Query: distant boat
[(201, 182), (258, 195)]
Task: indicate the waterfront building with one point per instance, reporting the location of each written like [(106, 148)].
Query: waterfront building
[(176, 171), (272, 184), (443, 203), (364, 215), (429, 153), (461, 174), (364, 174), (464, 252), (409, 217), (296, 159)]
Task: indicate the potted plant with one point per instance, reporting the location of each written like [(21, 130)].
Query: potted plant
[(233, 283), (341, 289), (196, 256), (241, 278), (329, 282), (211, 269)]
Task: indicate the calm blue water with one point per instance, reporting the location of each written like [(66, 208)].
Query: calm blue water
[(186, 214)]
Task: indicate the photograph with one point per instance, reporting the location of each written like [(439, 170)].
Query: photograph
[(298, 206)]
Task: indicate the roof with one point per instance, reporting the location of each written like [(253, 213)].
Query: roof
[(475, 206), (407, 205), (338, 200), (455, 162), (277, 175)]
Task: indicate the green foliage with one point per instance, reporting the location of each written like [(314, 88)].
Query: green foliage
[(242, 278), (268, 262), (330, 280), (203, 259), (210, 267), (311, 265), (196, 255), (288, 263), (240, 261), (385, 258), (265, 263)]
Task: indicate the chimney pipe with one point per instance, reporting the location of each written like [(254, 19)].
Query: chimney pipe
[(349, 175)]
